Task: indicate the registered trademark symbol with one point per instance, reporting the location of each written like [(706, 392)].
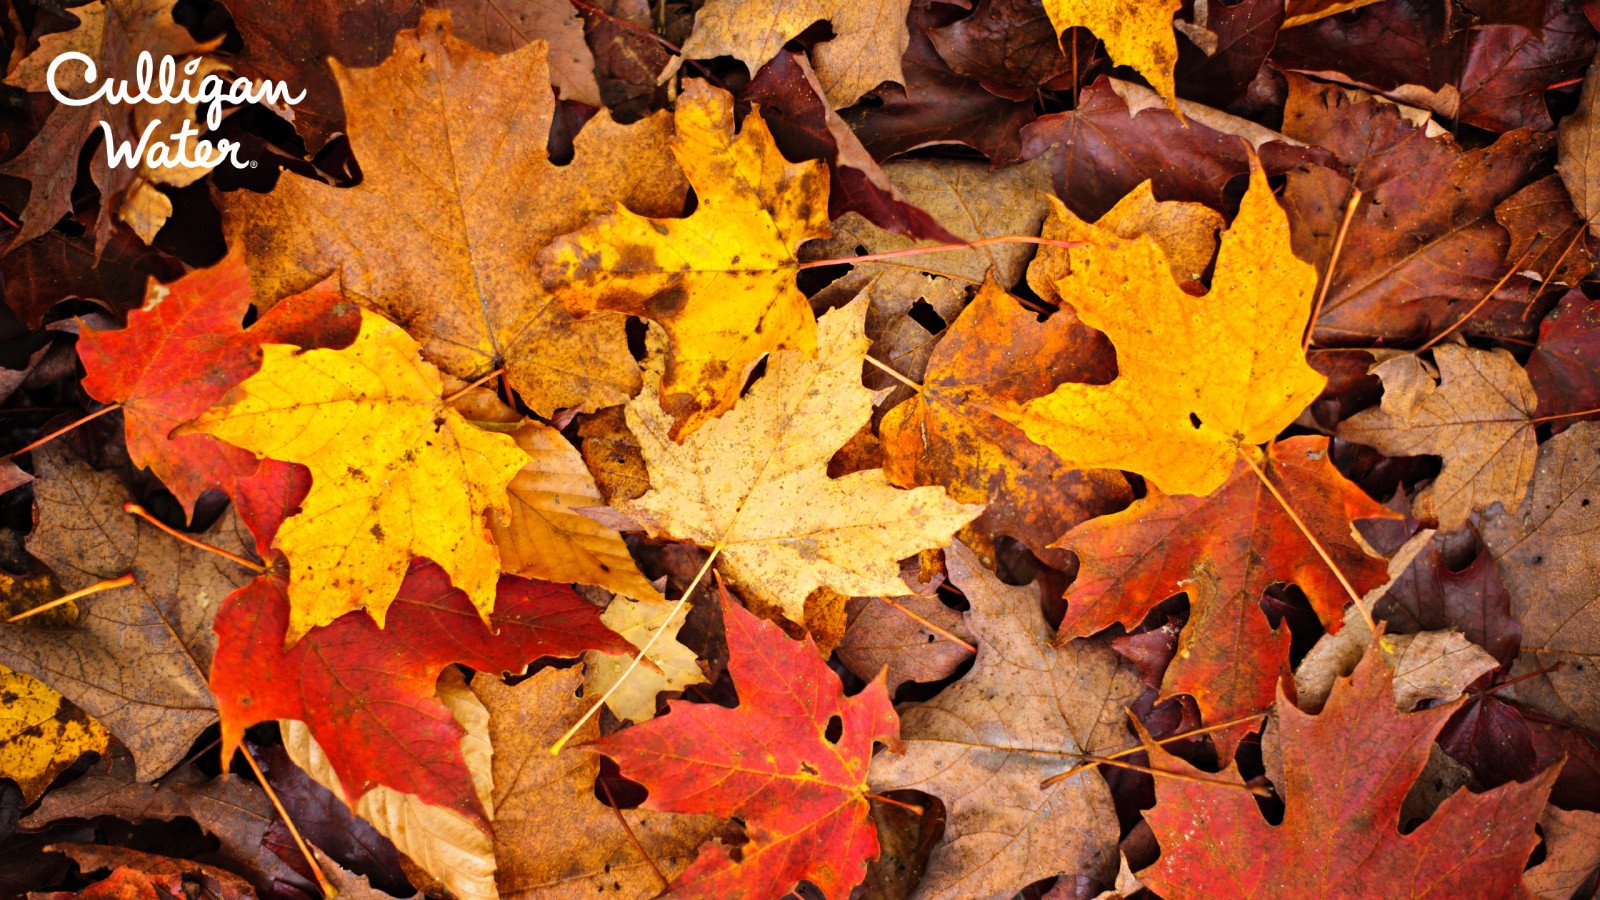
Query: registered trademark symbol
[(252, 164)]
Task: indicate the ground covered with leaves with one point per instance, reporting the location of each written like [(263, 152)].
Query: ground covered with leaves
[(748, 448)]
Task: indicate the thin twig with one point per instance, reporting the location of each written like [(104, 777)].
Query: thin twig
[(942, 248), (135, 509), (457, 394), (889, 370), (62, 430), (612, 802), (1559, 665), (654, 636), (121, 581), (328, 890), (1316, 544), (930, 626), (1333, 260), (1515, 268)]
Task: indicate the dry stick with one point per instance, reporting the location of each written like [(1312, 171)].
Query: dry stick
[(135, 509), (62, 430), (1515, 267), (121, 581), (1316, 544), (328, 890), (665, 883), (1193, 732), (1560, 664), (474, 384), (942, 248), (893, 802), (889, 370), (930, 626), (1333, 260), (654, 636)]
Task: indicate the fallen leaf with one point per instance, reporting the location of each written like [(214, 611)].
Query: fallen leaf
[(973, 744), (41, 733), (754, 209), (770, 761), (505, 27), (1346, 774), (1225, 550), (553, 837), (1136, 34), (450, 848), (636, 622), (59, 265), (137, 658), (1554, 578), (1010, 46), (1182, 419), (868, 38), (218, 883), (380, 499), (474, 299), (880, 638), (1428, 666), (1477, 416), (125, 883), (1565, 365), (999, 353), (1572, 853), (754, 482), (183, 351), (1578, 147), (366, 693)]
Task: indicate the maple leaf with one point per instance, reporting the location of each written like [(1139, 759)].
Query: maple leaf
[(544, 536), (417, 481), (880, 638), (770, 762), (183, 351), (111, 33), (1181, 419), (1565, 366), (868, 38), (125, 883), (1346, 773), (137, 663), (971, 746), (755, 483), (754, 209), (1477, 416), (366, 692), (995, 353), (635, 699), (553, 837), (41, 733), (1226, 549), (58, 265), (1544, 551), (440, 169), (219, 883), (1136, 34)]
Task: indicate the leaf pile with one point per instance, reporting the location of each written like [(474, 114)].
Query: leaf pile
[(746, 448)]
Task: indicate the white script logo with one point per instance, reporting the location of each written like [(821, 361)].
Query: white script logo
[(174, 152)]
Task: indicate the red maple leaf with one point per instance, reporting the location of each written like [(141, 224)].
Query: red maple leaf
[(367, 693), (1226, 549), (183, 351), (1346, 773), (790, 760)]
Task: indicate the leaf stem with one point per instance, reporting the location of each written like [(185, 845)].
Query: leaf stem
[(942, 248), (1559, 665), (1515, 267), (328, 890), (1333, 260), (612, 802), (1180, 776), (1571, 415), (451, 398), (1193, 732), (1316, 544), (889, 370), (893, 802), (135, 509), (121, 581), (654, 636), (930, 626), (60, 431)]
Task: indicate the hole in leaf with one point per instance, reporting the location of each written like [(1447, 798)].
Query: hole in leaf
[(835, 729)]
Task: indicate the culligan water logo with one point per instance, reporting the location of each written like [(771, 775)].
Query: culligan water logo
[(163, 84)]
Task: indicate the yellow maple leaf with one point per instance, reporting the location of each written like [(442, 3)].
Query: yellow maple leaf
[(720, 282), (635, 699), (1200, 379), (755, 482), (41, 734), (1137, 34), (395, 471)]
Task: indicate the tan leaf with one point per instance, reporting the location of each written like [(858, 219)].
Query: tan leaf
[(1475, 416), (553, 838), (441, 171), (506, 25), (969, 746), (754, 482), (448, 847), (1572, 852), (635, 701), (1578, 149)]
